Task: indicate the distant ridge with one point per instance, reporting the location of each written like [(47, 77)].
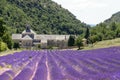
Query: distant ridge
[(114, 18)]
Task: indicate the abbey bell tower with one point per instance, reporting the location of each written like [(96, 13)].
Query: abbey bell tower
[(28, 28)]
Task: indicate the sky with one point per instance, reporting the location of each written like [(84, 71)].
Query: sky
[(91, 11)]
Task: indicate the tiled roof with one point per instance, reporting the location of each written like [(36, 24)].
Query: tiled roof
[(16, 36), (37, 37), (41, 37), (51, 37)]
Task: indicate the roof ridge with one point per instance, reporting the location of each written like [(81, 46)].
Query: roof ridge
[(26, 37)]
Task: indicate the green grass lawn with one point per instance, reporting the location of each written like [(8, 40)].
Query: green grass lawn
[(104, 44)]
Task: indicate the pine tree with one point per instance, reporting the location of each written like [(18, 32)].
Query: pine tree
[(87, 34)]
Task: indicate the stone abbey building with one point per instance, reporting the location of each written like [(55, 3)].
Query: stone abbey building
[(28, 38)]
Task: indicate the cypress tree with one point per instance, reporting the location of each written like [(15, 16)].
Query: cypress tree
[(87, 34), (71, 41)]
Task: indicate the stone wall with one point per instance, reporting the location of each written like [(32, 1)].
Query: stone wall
[(57, 43)]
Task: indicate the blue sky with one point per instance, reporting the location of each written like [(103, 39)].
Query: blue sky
[(91, 11)]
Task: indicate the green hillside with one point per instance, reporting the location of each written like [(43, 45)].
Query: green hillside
[(115, 18), (44, 16), (109, 29)]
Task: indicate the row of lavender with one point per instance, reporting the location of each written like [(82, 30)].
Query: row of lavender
[(99, 64), (14, 64)]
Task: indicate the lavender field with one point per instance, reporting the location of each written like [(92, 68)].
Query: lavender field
[(99, 64)]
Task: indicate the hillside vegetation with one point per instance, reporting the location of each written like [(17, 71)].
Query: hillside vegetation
[(44, 16), (109, 29), (115, 18), (5, 37)]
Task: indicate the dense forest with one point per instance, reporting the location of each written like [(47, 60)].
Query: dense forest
[(109, 29), (44, 17)]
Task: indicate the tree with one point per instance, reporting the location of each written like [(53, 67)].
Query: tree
[(94, 38), (3, 29), (16, 45), (71, 40), (3, 46), (87, 34), (100, 36), (113, 26), (17, 31), (110, 35), (78, 42), (8, 40), (4, 35), (117, 32)]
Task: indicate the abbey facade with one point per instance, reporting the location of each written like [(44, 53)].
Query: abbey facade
[(28, 38)]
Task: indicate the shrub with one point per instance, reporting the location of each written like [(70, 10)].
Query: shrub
[(3, 46)]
